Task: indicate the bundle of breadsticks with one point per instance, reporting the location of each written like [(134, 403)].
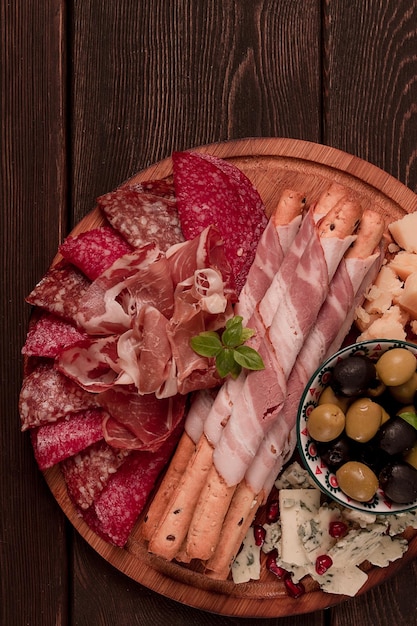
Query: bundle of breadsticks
[(311, 270)]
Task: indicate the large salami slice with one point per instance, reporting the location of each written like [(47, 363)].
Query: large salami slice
[(207, 193), (59, 290), (87, 473), (46, 395), (142, 217), (95, 250), (52, 443), (116, 510), (49, 335)]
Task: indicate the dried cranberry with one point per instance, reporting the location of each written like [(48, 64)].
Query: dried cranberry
[(295, 590), (272, 566), (323, 562), (272, 512), (337, 530), (259, 533)]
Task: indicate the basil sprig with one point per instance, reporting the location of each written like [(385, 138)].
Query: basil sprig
[(228, 349)]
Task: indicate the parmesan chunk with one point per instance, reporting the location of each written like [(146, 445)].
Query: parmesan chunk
[(408, 298), (404, 232), (389, 326), (386, 288), (404, 264)]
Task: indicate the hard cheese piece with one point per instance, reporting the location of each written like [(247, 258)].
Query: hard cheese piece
[(297, 506), (404, 232)]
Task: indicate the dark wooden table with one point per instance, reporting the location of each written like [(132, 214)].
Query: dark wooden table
[(92, 92)]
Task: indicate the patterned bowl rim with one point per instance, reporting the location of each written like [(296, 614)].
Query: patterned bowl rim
[(378, 504)]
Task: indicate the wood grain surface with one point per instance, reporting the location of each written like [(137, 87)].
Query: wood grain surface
[(92, 92)]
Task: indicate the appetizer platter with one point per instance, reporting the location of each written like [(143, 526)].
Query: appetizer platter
[(271, 177)]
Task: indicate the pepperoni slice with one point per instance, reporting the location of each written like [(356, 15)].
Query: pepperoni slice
[(142, 217), (213, 191), (49, 335), (53, 443), (95, 250)]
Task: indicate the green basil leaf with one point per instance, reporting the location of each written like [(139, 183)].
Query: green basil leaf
[(232, 336), (207, 344), (225, 363), (409, 417), (247, 333), (249, 358)]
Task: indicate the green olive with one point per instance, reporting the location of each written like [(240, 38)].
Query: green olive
[(363, 419), (326, 422), (396, 366), (357, 481), (405, 393), (377, 390), (328, 396)]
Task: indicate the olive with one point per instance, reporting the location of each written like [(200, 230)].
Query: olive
[(328, 396), (357, 481), (399, 482), (396, 366), (353, 376), (326, 422), (335, 453), (376, 389), (411, 456), (405, 393), (396, 436), (385, 415), (363, 419), (371, 454)]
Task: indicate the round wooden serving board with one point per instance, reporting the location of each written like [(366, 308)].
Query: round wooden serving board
[(272, 165)]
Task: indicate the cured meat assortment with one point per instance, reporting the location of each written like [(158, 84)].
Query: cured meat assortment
[(115, 394), (109, 368)]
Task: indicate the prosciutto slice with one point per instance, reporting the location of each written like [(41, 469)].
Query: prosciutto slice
[(263, 393), (139, 422)]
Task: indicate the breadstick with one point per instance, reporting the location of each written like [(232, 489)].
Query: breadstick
[(239, 517), (328, 199), (168, 538), (176, 468), (341, 220), (289, 206), (370, 231)]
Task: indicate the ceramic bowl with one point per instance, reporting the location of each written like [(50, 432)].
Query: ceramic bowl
[(325, 478)]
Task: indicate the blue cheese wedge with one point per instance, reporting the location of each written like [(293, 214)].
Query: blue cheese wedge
[(347, 581), (355, 547), (296, 507), (314, 532), (247, 565), (387, 550)]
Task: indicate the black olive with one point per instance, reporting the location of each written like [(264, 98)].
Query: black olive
[(353, 376), (399, 482), (396, 436), (370, 454), (336, 452)]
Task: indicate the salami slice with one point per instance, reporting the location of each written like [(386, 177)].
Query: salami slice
[(87, 473), (126, 493), (49, 335), (59, 290), (211, 191), (142, 217), (47, 395), (158, 187), (95, 250), (53, 443)]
